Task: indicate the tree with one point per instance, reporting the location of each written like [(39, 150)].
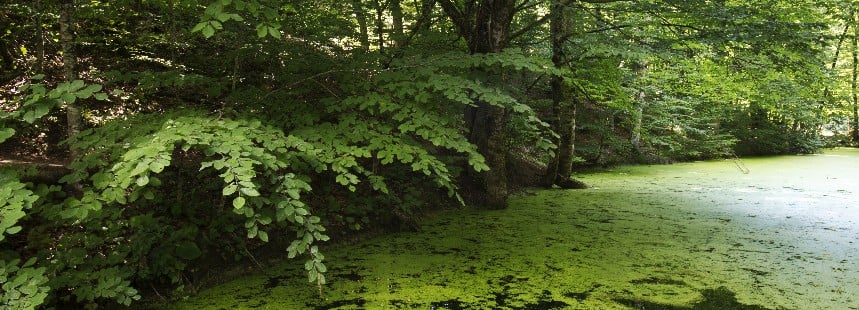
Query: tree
[(560, 167), (206, 131), (485, 25), (854, 90)]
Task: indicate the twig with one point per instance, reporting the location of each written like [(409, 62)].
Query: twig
[(253, 258), (157, 293)]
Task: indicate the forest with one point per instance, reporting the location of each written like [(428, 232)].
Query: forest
[(145, 142)]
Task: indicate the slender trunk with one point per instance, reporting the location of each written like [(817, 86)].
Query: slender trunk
[(563, 122), (364, 32), (40, 63), (67, 39), (397, 15), (638, 116), (564, 103), (854, 133), (424, 23), (380, 25), (827, 94), (838, 46), (638, 113)]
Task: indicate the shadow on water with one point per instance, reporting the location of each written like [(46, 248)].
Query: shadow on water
[(358, 302), (714, 299)]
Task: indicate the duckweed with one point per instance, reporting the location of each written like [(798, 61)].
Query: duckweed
[(700, 235)]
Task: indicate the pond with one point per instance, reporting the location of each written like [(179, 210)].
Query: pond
[(702, 235)]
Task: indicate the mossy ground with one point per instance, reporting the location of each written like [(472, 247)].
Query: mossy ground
[(685, 236)]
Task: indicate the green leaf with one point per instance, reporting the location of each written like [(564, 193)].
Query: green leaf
[(250, 191), (208, 31), (156, 167), (262, 236), (76, 85), (320, 266), (142, 180), (223, 17), (100, 96), (239, 202), (262, 30), (229, 189), (88, 91), (188, 250), (274, 32), (6, 133), (69, 98), (13, 230), (199, 26), (101, 179)]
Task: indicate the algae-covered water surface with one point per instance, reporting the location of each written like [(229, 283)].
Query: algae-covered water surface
[(698, 235)]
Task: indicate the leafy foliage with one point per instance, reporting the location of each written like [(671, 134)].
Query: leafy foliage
[(216, 128), (24, 285)]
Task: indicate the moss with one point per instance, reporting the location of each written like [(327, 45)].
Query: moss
[(655, 237)]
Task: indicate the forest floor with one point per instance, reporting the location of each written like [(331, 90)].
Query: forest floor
[(699, 235)]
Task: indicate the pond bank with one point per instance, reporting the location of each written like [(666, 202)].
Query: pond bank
[(698, 235)]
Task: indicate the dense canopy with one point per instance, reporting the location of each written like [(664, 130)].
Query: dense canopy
[(143, 139)]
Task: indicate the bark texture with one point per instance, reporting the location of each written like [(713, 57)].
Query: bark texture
[(485, 25), (397, 15), (560, 168), (67, 41)]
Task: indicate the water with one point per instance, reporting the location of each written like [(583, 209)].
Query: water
[(698, 235)]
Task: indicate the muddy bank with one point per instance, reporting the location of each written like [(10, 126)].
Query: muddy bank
[(685, 236)]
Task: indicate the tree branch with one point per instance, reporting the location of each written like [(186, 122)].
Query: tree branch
[(457, 16)]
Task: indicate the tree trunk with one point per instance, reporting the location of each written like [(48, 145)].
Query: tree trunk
[(361, 17), (638, 112), (826, 91), (397, 15), (380, 25), (638, 116), (854, 132), (37, 19), (560, 168), (67, 41), (425, 21), (487, 32)]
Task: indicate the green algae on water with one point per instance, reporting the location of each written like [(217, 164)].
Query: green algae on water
[(698, 235)]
